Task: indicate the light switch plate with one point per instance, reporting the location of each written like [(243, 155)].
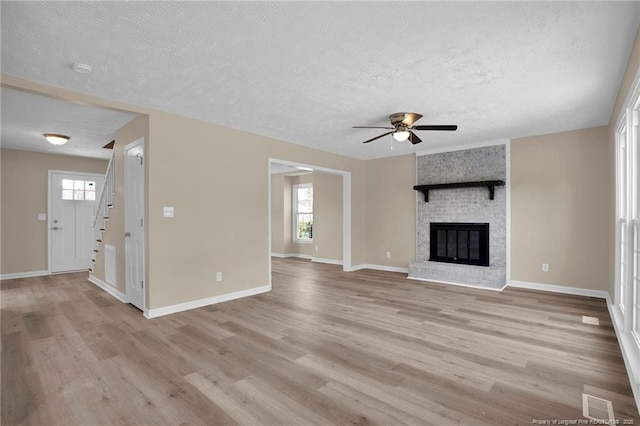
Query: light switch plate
[(167, 211), (42, 216)]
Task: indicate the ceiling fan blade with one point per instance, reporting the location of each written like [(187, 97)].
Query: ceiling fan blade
[(436, 127), (372, 127), (377, 137), (413, 138), (411, 118)]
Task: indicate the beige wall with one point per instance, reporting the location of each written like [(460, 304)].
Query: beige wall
[(561, 209), (327, 216), (114, 236), (218, 225), (391, 211), (24, 177)]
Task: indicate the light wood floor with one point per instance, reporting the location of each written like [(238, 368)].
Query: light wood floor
[(324, 347)]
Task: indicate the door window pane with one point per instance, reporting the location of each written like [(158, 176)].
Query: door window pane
[(78, 189)]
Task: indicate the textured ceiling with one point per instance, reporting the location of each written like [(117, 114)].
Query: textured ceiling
[(306, 72)]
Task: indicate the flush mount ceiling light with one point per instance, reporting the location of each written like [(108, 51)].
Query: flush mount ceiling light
[(81, 68), (56, 139)]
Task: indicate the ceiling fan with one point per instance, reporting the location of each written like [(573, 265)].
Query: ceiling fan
[(403, 128)]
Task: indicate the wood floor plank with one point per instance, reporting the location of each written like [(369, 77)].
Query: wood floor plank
[(323, 347)]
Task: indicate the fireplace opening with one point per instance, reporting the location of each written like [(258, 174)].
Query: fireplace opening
[(466, 243)]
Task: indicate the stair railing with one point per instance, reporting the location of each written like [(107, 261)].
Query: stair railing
[(105, 203)]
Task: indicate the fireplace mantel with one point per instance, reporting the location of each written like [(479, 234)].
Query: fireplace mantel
[(489, 184)]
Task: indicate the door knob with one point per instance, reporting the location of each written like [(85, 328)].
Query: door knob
[(55, 228), (127, 234)]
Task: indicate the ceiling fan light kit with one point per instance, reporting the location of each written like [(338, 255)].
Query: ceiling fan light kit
[(403, 129), (401, 135)]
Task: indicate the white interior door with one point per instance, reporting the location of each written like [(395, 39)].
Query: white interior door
[(134, 223), (72, 206)]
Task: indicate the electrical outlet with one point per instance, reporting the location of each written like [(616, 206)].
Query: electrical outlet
[(218, 276), (316, 249), (545, 267), (388, 255)]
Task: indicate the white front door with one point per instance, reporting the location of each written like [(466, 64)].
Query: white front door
[(134, 223), (73, 198)]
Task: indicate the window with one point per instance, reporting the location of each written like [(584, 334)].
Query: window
[(628, 220), (302, 212), (76, 189)]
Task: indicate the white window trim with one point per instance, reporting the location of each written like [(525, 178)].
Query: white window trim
[(294, 213)]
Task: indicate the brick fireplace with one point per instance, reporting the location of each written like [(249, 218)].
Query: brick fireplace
[(459, 216)]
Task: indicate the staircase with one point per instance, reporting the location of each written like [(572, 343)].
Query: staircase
[(105, 204)]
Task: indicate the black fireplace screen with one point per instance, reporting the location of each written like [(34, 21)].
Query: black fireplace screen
[(466, 243)]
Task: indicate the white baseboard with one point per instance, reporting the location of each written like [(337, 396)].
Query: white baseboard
[(379, 268), (559, 289), (23, 275), (298, 255), (477, 287), (180, 307), (109, 289), (329, 261)]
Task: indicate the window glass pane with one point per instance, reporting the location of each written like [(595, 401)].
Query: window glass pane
[(305, 226), (78, 184), (67, 194), (622, 265), (67, 184), (622, 178), (305, 206), (89, 185), (78, 195), (305, 193), (90, 195)]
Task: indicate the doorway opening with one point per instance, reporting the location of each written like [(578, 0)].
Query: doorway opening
[(339, 180)]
